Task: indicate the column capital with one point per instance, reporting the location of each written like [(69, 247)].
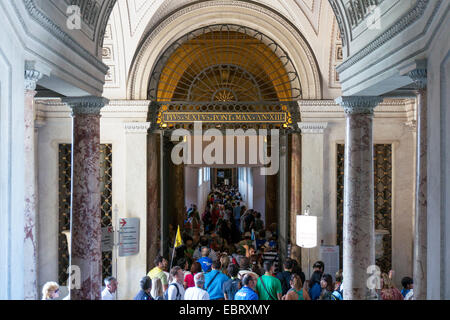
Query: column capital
[(312, 127), (136, 127), (34, 71), (88, 105), (419, 76), (359, 104)]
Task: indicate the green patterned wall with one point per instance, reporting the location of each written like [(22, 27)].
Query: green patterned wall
[(64, 205), (382, 198)]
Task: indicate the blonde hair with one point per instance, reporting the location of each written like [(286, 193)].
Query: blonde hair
[(48, 288), (157, 290)]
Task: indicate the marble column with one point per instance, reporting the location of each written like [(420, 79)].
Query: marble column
[(85, 215), (30, 214), (359, 220), (153, 207), (313, 186), (419, 76), (296, 196), (283, 197)]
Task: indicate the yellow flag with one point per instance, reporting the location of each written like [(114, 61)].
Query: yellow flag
[(178, 241)]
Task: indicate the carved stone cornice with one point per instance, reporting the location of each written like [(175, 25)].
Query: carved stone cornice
[(88, 105), (312, 127), (136, 127), (404, 22), (42, 19), (359, 104)]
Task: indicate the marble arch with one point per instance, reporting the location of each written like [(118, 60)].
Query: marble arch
[(217, 12)]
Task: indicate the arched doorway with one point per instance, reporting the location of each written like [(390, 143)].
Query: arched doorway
[(226, 77)]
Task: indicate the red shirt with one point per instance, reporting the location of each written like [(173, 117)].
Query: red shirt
[(189, 279)]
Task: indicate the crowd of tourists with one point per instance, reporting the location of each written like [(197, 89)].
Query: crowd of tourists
[(227, 253)]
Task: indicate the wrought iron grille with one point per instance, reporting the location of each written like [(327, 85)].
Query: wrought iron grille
[(382, 199), (64, 162), (224, 57), (224, 68)]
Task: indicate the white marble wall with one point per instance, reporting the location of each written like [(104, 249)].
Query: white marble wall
[(58, 129), (12, 62), (388, 128), (439, 165)]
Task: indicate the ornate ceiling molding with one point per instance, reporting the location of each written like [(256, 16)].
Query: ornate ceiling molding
[(404, 22), (40, 17)]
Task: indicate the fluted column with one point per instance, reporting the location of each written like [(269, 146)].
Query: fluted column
[(419, 76), (85, 215), (30, 214), (359, 229)]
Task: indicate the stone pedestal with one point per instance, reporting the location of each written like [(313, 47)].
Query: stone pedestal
[(85, 226), (358, 229), (419, 77)]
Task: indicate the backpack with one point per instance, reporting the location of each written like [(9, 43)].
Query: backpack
[(166, 294)]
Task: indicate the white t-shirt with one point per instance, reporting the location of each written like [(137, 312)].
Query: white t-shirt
[(409, 295), (106, 295), (195, 293), (172, 293)]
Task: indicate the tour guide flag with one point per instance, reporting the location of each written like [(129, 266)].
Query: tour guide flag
[(178, 241)]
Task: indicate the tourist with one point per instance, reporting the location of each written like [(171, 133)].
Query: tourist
[(225, 262), (338, 291), (176, 289), (146, 287), (298, 270), (285, 276), (158, 271), (258, 224), (189, 279), (204, 242), (197, 292), (388, 290), (326, 283), (244, 266), (268, 286), (157, 292), (296, 292), (205, 261), (214, 281), (231, 286), (319, 266), (50, 291), (314, 285), (270, 253), (109, 293), (247, 292), (237, 214), (407, 284)]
